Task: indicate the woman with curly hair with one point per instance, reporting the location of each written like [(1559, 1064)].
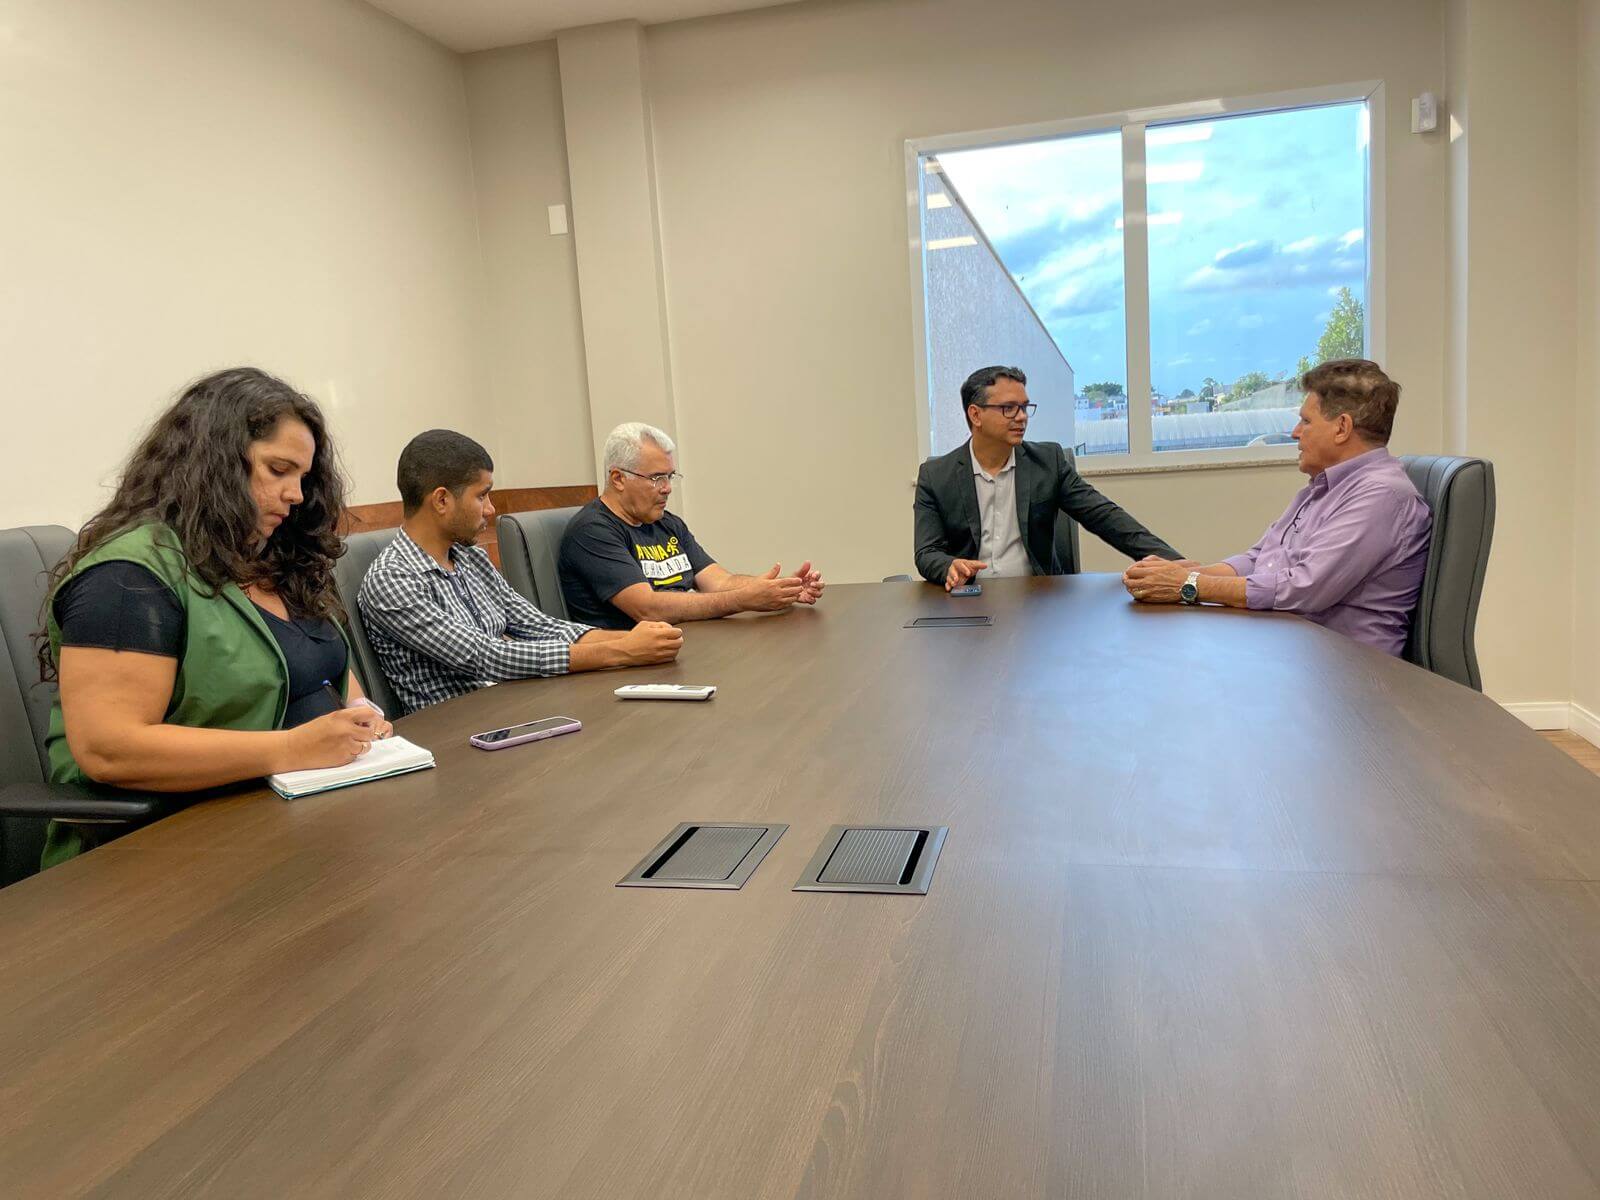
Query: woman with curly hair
[(195, 623)]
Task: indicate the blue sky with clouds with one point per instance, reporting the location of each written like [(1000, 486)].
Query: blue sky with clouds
[(1255, 223)]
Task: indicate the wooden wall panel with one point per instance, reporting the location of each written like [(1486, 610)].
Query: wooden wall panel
[(388, 514)]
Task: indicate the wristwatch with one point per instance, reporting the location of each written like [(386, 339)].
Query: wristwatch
[(1189, 593)]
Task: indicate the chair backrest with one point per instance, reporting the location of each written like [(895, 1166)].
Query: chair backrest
[(360, 549), (1067, 532), (27, 556), (1460, 492), (530, 547)]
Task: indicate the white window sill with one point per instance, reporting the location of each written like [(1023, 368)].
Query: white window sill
[(1163, 462)]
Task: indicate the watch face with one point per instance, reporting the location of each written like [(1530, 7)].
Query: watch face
[(1189, 592)]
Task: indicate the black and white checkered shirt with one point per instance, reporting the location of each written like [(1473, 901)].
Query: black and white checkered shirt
[(441, 633)]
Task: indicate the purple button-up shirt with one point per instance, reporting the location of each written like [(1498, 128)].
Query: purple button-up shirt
[(1348, 553)]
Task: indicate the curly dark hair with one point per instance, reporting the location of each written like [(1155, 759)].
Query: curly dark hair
[(191, 472)]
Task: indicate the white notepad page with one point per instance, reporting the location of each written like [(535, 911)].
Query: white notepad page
[(391, 756)]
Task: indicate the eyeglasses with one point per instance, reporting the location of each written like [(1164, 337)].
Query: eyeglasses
[(1008, 411), (664, 479)]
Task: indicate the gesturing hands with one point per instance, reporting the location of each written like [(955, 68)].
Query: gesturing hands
[(811, 584), (961, 570), (773, 592)]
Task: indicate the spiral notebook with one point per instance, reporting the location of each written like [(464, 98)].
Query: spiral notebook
[(391, 756)]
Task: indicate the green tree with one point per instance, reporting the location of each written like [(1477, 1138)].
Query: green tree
[(1343, 336), (1103, 390), (1249, 385), (1301, 367), (1209, 388), (1186, 394)]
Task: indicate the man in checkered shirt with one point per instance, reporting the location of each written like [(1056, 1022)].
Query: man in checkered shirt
[(443, 621)]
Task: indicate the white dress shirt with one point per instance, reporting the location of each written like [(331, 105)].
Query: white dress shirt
[(1001, 542)]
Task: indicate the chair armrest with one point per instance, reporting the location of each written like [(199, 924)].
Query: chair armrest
[(65, 801)]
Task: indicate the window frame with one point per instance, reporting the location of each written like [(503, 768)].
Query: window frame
[(1141, 457)]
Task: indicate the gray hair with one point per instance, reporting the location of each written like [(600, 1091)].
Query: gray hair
[(624, 443)]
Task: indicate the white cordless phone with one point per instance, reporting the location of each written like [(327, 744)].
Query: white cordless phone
[(666, 691)]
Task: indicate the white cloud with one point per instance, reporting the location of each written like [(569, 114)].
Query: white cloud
[(1244, 254), (1181, 360), (1251, 321), (1178, 135), (1178, 172), (1083, 296), (1203, 325), (1073, 260), (1261, 265), (1304, 244), (1351, 238), (1017, 188)]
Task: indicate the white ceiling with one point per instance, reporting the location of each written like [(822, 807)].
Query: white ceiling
[(466, 25)]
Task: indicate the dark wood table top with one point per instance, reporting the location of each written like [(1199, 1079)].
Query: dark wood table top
[(1230, 907)]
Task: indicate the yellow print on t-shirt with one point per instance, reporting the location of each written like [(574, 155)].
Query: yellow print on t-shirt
[(662, 565)]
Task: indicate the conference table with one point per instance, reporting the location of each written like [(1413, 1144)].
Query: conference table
[(1229, 906)]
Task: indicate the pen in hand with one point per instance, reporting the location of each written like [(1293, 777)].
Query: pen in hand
[(339, 701)]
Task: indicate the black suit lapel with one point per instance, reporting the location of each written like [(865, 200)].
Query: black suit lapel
[(1028, 474), (965, 487)]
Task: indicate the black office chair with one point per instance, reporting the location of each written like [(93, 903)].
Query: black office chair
[(530, 548), (360, 549), (1460, 492), (1067, 555), (27, 802)]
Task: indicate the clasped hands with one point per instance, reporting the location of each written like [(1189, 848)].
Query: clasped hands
[(1154, 580)]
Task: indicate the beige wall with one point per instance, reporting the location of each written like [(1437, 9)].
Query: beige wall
[(1519, 330), (534, 333), (779, 146), (1586, 546), (611, 155), (189, 186)]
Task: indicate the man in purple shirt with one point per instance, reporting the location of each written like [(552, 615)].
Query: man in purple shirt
[(1349, 552)]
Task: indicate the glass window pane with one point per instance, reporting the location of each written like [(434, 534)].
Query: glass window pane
[(1023, 267), (1258, 267)]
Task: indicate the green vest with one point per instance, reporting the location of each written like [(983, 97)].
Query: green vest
[(231, 673)]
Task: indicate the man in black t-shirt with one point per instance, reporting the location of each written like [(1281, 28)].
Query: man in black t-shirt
[(625, 558)]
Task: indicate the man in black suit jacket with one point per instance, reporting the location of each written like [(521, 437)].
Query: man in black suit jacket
[(991, 504)]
